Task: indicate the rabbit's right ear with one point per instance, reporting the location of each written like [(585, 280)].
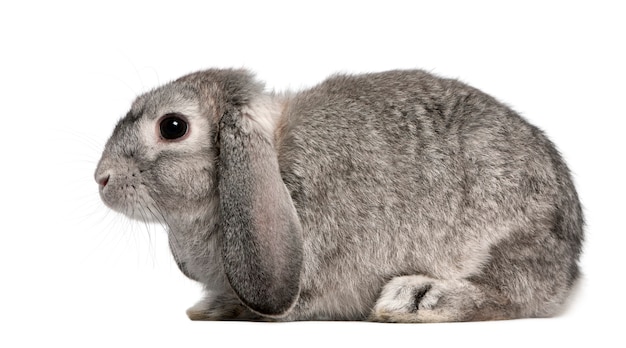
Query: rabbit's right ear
[(262, 236)]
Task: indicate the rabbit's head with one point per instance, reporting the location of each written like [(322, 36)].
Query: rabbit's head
[(202, 148)]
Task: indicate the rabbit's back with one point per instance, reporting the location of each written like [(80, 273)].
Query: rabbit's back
[(406, 173)]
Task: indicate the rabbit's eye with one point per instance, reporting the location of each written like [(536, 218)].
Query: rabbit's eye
[(173, 127)]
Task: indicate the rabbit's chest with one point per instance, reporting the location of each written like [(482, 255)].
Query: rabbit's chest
[(198, 258)]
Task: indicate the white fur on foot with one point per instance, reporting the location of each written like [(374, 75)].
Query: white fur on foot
[(422, 299), (399, 295)]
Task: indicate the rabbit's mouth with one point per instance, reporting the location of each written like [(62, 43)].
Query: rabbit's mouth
[(127, 194), (130, 199)]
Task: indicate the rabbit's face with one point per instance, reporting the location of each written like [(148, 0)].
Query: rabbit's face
[(159, 161)]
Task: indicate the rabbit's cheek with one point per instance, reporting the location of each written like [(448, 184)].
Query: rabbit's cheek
[(179, 179)]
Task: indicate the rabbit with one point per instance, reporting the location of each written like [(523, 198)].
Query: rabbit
[(395, 196)]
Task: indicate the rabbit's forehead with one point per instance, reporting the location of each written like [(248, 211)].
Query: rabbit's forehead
[(163, 101)]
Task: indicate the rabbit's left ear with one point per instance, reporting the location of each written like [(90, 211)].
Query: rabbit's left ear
[(262, 236)]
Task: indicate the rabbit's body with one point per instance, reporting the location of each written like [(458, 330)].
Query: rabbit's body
[(395, 196)]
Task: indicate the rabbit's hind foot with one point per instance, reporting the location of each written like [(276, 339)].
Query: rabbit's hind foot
[(420, 299)]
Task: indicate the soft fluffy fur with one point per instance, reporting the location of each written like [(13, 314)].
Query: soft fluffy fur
[(395, 196)]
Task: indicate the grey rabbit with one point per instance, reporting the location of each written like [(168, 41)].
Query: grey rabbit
[(396, 197)]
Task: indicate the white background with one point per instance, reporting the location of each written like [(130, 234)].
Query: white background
[(75, 274)]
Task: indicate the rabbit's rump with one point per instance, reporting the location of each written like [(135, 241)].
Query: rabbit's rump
[(433, 191)]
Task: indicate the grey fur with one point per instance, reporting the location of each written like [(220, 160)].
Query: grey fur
[(396, 196)]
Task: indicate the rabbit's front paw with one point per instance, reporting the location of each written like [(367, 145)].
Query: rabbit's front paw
[(220, 310)]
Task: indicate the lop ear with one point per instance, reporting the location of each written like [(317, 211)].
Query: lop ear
[(262, 236)]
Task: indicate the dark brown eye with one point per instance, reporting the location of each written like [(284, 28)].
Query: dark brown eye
[(173, 127)]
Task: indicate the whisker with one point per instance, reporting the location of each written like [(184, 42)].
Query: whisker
[(172, 234), (144, 217)]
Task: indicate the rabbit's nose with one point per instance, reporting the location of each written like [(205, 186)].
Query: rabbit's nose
[(103, 179)]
